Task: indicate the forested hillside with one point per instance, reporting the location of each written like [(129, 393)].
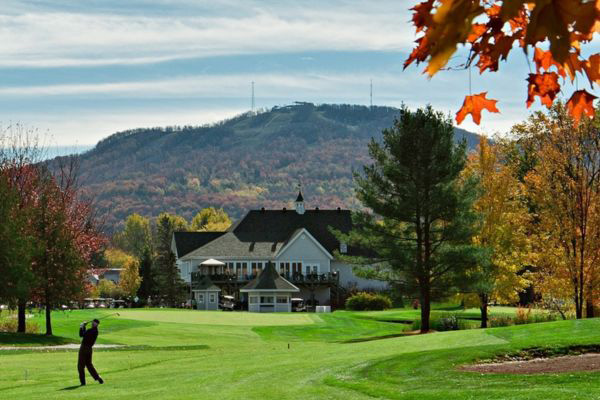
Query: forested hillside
[(250, 161)]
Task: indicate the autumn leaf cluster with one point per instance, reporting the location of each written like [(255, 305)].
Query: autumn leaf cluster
[(491, 29)]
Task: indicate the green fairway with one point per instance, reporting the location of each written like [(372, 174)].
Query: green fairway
[(178, 354)]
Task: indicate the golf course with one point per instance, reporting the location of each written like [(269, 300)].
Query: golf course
[(180, 354)]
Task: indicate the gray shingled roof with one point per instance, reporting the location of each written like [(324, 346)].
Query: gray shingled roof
[(205, 283), (270, 279), (261, 233), (186, 242)]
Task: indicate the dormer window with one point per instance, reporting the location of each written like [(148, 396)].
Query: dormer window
[(343, 248)]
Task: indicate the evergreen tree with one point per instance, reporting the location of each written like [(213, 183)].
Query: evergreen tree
[(169, 284), (421, 226), (147, 286)]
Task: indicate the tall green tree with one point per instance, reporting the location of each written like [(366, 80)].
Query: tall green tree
[(169, 284), (136, 235), (147, 286), (420, 223)]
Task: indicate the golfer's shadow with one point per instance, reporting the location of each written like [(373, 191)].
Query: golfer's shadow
[(71, 387)]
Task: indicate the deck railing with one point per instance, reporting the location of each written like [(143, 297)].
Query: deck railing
[(325, 278)]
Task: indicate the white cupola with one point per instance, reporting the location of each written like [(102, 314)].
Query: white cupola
[(300, 203)]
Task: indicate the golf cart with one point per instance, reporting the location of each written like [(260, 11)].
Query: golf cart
[(227, 303), (298, 305)]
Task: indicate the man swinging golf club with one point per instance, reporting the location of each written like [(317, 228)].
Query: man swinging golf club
[(85, 351)]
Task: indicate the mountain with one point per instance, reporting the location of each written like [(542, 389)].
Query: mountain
[(250, 161)]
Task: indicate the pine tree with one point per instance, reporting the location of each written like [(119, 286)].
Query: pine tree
[(147, 287), (169, 284), (421, 222)]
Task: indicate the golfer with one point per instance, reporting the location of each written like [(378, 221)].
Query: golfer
[(85, 351)]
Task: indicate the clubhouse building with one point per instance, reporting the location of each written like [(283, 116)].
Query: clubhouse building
[(269, 257)]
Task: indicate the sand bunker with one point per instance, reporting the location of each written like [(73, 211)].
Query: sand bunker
[(584, 362)]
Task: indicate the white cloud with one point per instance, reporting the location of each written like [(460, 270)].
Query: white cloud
[(88, 128), (44, 38)]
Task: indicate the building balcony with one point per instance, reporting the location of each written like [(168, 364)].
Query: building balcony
[(328, 278)]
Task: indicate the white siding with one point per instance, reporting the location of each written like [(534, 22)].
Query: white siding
[(305, 250), (348, 279)]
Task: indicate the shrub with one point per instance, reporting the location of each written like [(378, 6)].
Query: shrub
[(444, 322), (368, 302), (526, 316), (9, 324), (522, 316), (449, 322), (501, 320)]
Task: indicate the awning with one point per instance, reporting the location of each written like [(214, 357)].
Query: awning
[(211, 262)]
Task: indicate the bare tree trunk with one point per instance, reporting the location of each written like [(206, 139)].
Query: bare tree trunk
[(21, 316), (589, 309), (425, 308), (484, 309), (48, 320)]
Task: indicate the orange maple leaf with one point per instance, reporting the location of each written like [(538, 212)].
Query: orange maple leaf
[(581, 102), (422, 15), (544, 60), (474, 105), (543, 85), (592, 68)]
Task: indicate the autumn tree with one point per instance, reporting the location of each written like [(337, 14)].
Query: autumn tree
[(64, 223), (130, 278), (109, 289), (17, 247), (136, 235), (211, 219), (564, 184), (21, 149), (552, 34), (420, 224), (116, 258), (502, 230)]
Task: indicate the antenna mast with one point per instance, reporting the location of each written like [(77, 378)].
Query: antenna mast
[(371, 94), (252, 104)]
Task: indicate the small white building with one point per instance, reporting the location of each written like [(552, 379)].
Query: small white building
[(269, 292), (206, 294)]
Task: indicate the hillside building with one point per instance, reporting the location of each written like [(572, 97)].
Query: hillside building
[(282, 252)]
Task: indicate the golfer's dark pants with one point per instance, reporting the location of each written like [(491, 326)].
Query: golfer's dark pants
[(85, 361)]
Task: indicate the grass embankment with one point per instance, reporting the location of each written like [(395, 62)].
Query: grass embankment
[(193, 354)]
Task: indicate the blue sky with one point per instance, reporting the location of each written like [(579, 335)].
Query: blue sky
[(81, 70)]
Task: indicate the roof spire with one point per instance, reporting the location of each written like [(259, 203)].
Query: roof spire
[(300, 201)]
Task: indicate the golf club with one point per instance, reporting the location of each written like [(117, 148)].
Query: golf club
[(106, 316)]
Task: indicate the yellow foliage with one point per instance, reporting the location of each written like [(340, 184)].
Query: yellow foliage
[(503, 223)]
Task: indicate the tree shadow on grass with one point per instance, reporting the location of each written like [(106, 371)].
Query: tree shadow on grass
[(70, 387)]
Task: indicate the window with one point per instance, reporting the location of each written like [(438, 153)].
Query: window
[(284, 268), (312, 269), (253, 299), (267, 299), (211, 298), (201, 297), (297, 268), (229, 268), (282, 300), (343, 248)]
